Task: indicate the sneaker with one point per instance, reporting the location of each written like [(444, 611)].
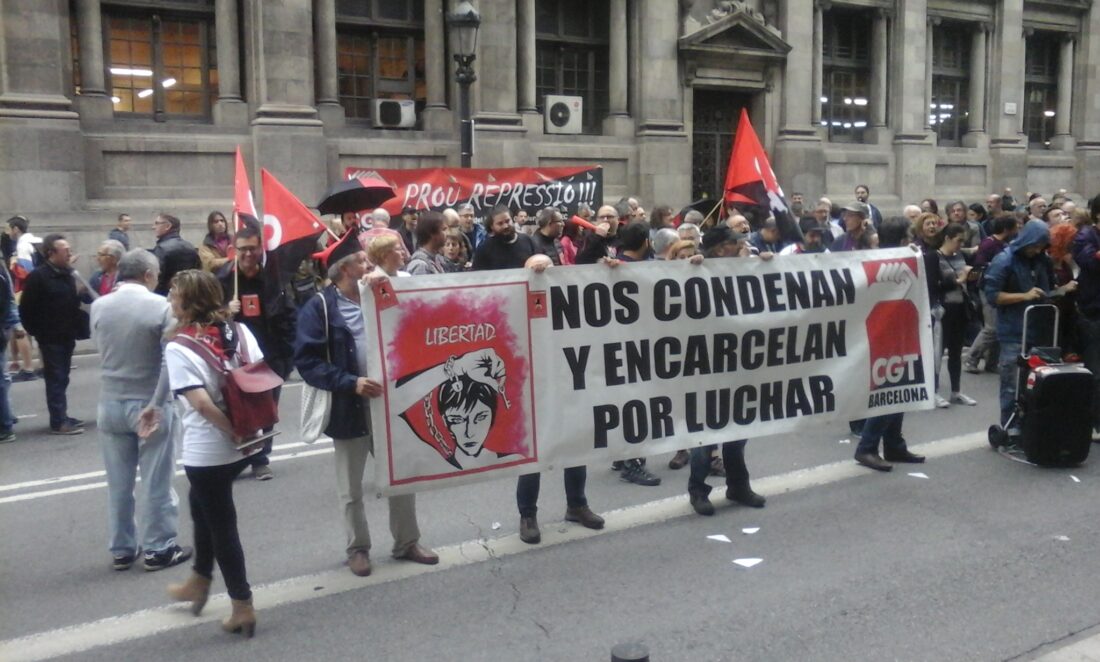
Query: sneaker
[(122, 562), (634, 472), (972, 369), (617, 465), (941, 403), (166, 558), (262, 472), (67, 429), (963, 399), (75, 422), (7, 437), (24, 376)]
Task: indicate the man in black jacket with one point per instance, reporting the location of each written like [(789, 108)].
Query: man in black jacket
[(172, 251), (50, 309), (548, 236), (267, 312), (504, 248)]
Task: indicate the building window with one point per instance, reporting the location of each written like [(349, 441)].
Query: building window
[(846, 74), (571, 55), (161, 65), (74, 50), (949, 109), (379, 53), (1040, 87)]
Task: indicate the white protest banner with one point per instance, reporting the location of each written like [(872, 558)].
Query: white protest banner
[(508, 372)]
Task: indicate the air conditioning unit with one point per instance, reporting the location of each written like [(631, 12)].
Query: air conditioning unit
[(394, 113), (563, 114)]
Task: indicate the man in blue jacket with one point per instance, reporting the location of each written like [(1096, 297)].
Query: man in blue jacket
[(1086, 252), (330, 353), (1019, 276)]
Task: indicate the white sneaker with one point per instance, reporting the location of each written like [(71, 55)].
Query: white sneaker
[(941, 403), (963, 399)]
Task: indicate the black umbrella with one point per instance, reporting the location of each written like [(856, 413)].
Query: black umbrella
[(705, 206), (355, 195)]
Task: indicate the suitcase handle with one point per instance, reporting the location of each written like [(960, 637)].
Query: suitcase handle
[(1027, 312)]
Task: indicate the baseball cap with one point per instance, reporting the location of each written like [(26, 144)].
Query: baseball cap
[(858, 208)]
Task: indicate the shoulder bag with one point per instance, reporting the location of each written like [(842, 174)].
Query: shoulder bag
[(316, 402)]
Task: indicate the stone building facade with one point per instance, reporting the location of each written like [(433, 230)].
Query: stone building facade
[(135, 105)]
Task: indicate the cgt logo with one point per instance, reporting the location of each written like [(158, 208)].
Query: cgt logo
[(893, 336), (899, 270)]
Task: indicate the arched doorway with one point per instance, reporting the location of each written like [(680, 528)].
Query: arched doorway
[(715, 114)]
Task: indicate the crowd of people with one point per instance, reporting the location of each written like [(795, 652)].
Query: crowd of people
[(161, 397)]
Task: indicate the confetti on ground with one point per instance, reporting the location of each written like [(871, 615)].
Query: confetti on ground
[(844, 441), (1075, 479), (1062, 538), (751, 530), (918, 474), (496, 525), (719, 537), (747, 563)]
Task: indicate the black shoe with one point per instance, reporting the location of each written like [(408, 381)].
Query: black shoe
[(66, 428), (75, 422), (617, 465), (122, 562), (873, 461), (167, 558), (744, 495), (529, 530), (903, 456), (23, 376), (584, 516), (701, 503), (638, 474), (6, 437)]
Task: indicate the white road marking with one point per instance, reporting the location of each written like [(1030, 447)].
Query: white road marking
[(72, 489), (148, 622)]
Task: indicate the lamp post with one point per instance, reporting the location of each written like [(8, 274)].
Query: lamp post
[(463, 25)]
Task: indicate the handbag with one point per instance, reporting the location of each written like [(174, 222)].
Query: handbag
[(316, 402), (248, 390)]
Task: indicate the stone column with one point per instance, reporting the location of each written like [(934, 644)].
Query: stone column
[(494, 95), (976, 124), (799, 158), (1008, 144), (1065, 89), (1086, 113), (324, 41), (436, 116), (617, 79), (229, 109), (879, 65), (818, 67), (90, 27), (914, 148), (525, 55)]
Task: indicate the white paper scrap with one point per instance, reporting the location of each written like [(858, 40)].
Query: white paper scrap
[(747, 563), (1075, 479), (844, 441), (719, 537), (1062, 538), (496, 525), (751, 530), (918, 475)]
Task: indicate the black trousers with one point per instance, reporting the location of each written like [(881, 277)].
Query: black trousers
[(733, 459), (215, 519), (57, 362), (527, 490), (954, 334)]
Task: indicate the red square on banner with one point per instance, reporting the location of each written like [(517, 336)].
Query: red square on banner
[(384, 296), (536, 304)]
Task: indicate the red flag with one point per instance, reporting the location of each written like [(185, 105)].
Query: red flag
[(290, 229), (244, 209), (751, 180)]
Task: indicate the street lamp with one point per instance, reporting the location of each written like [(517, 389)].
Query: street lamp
[(463, 25)]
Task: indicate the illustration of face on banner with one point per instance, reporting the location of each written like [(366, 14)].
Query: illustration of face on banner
[(460, 369)]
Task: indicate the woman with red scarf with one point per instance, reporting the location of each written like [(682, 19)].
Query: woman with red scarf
[(211, 457)]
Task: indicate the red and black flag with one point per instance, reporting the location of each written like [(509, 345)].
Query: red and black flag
[(290, 229), (244, 208), (751, 180)]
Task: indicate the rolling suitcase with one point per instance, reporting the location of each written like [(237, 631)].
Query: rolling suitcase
[(1057, 401)]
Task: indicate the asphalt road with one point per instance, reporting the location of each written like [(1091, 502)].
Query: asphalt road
[(985, 559)]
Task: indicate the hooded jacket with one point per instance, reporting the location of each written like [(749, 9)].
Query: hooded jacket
[(1013, 272), (1086, 253)]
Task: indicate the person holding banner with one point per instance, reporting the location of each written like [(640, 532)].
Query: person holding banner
[(330, 353), (722, 242)]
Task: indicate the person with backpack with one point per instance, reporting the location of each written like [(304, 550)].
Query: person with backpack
[(211, 455)]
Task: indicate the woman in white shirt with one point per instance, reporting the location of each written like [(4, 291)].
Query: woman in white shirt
[(211, 458)]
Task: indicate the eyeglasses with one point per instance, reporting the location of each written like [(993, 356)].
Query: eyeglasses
[(103, 255)]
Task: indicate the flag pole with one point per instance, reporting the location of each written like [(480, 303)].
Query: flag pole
[(707, 217)]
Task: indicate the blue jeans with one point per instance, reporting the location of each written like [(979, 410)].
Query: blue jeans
[(882, 428), (7, 419), (1010, 350), (527, 490), (124, 454), (57, 361), (733, 458)]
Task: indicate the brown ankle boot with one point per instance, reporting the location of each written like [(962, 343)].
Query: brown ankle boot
[(243, 618), (195, 590)]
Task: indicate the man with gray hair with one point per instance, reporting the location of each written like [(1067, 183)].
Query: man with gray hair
[(108, 256), (695, 217), (475, 232), (379, 226), (663, 240), (129, 326)]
